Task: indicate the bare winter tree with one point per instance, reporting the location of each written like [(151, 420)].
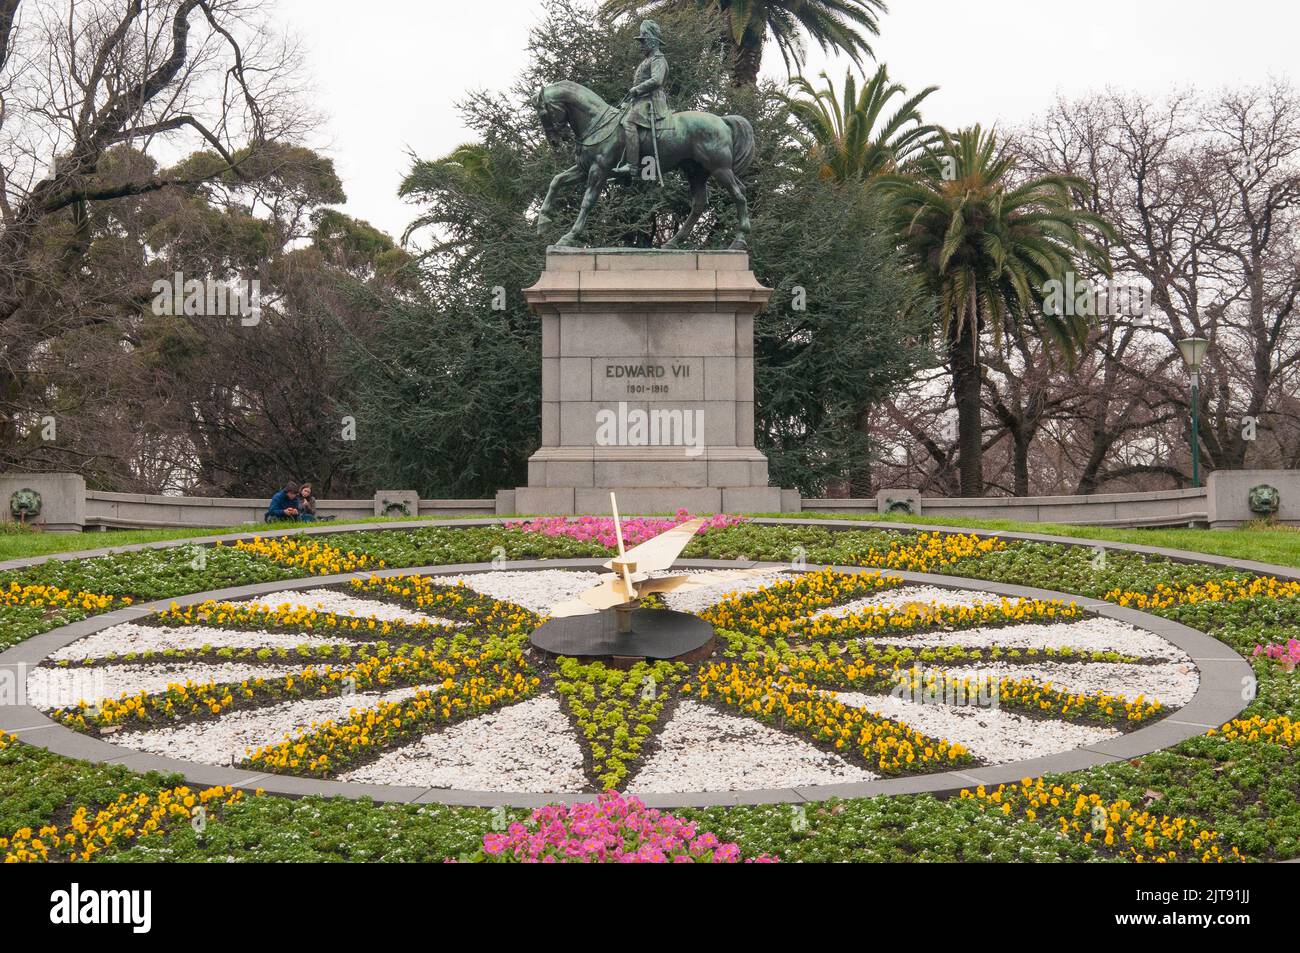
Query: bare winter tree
[(1203, 192)]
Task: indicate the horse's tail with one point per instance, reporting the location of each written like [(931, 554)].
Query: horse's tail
[(742, 142)]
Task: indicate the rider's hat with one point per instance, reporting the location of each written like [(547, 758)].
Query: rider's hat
[(649, 29)]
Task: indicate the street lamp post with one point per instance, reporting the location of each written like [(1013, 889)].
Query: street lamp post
[(1193, 351)]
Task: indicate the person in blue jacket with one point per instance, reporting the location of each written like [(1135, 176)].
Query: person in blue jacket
[(284, 505)]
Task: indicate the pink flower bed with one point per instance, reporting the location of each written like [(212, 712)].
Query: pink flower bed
[(600, 529), (612, 830), (1288, 655)]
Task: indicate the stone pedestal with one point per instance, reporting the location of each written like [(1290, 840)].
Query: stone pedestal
[(647, 383)]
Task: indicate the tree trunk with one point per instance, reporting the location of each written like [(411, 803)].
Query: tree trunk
[(1020, 463), (966, 392), (860, 481), (746, 62), (1090, 479)]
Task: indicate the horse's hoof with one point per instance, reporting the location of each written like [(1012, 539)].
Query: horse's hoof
[(740, 245), (567, 240)]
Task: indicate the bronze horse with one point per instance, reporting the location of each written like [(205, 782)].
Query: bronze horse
[(700, 144)]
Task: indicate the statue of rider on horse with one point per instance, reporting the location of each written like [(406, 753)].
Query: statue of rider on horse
[(648, 137), (645, 105)]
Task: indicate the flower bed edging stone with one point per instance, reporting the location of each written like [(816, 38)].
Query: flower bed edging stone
[(1226, 684)]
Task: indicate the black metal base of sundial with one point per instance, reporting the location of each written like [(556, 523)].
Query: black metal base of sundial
[(656, 634)]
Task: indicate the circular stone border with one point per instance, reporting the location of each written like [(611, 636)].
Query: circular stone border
[(1226, 684)]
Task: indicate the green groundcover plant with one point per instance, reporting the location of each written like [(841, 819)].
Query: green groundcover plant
[(1239, 785)]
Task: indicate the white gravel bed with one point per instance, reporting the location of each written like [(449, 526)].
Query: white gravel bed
[(905, 594), (1092, 634), (133, 637), (701, 749), (527, 747), (698, 600), (329, 600), (49, 688), (537, 590), (234, 733), (543, 588), (990, 734), (1172, 684)]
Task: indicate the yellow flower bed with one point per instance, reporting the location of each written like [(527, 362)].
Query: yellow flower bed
[(1119, 825), (326, 748), (931, 551), (52, 597), (434, 595), (7, 740), (1227, 590), (1023, 694), (288, 616), (785, 609), (793, 598), (769, 694), (486, 616), (839, 670), (935, 615), (130, 818), (1278, 731), (318, 558), (1044, 698), (213, 698)]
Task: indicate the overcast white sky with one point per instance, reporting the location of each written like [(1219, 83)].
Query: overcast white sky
[(387, 80)]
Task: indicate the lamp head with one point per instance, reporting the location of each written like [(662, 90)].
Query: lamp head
[(1193, 352)]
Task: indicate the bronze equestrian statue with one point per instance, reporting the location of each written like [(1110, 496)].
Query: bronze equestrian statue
[(650, 139)]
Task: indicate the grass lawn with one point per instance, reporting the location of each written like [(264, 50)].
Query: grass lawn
[(20, 544), (1280, 545)]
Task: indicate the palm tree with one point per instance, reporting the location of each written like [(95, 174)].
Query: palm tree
[(852, 139), (850, 136), (748, 24), (986, 248)]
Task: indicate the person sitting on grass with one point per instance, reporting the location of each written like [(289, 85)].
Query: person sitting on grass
[(307, 504), (284, 505)]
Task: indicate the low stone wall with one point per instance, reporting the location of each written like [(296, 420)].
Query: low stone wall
[(67, 506), (1158, 508), (1225, 502), (111, 510)]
